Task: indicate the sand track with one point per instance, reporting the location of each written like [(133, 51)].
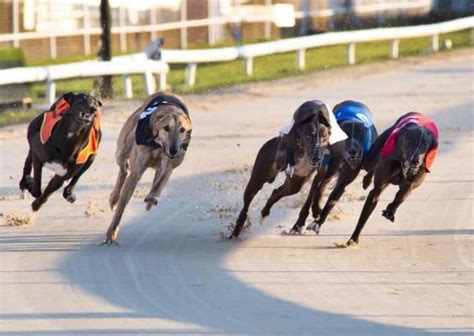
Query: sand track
[(173, 274)]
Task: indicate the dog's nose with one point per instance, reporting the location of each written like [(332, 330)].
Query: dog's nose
[(352, 151), (173, 151)]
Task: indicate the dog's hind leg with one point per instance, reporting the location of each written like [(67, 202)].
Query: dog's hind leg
[(291, 186), (68, 190), (115, 194), (126, 193), (54, 184), (122, 158), (26, 182), (266, 168)]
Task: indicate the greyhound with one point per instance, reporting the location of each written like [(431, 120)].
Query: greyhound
[(402, 156), (300, 152), (345, 158), (64, 139), (156, 135)]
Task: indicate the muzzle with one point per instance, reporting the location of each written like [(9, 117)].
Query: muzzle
[(411, 167)]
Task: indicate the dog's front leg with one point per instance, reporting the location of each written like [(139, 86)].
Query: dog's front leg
[(68, 190), (127, 191), (37, 171), (346, 177), (382, 180), (54, 184), (162, 175), (402, 194), (304, 212)]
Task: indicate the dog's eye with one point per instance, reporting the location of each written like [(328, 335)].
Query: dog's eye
[(182, 129), (166, 128)]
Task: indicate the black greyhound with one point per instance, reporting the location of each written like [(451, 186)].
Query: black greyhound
[(64, 139), (303, 146), (345, 157), (402, 156)]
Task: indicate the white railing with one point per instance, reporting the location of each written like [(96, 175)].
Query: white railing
[(265, 16), (300, 44), (138, 63), (52, 73)]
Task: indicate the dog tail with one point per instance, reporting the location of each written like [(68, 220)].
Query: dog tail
[(25, 182)]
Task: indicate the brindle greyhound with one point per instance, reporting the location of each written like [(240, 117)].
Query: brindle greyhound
[(305, 142), (157, 136), (345, 158), (402, 156), (64, 139)]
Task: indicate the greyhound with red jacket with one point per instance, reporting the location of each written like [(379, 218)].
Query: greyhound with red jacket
[(401, 155), (64, 139)]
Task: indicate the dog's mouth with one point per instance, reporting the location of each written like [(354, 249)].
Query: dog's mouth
[(87, 116), (353, 161), (410, 169), (316, 157)]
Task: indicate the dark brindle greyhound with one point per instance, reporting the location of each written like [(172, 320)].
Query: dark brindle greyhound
[(402, 156), (64, 139), (345, 158), (304, 146)]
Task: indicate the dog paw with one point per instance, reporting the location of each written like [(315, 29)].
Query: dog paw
[(110, 242), (68, 196), (36, 205), (296, 230), (389, 215), (26, 183), (314, 226), (150, 201)]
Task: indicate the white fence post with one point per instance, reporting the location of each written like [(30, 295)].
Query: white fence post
[(191, 74), (394, 49), (123, 36), (300, 59), (351, 53), (267, 28), (153, 22), (183, 32), (16, 24), (162, 80), (249, 66), (87, 25), (53, 53), (127, 86), (149, 83), (435, 42), (50, 91)]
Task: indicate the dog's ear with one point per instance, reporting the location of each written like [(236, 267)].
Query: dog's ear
[(434, 141), (99, 102), (323, 116), (68, 97)]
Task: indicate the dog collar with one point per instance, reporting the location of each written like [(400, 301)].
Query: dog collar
[(143, 134)]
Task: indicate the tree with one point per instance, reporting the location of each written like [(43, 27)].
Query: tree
[(104, 84)]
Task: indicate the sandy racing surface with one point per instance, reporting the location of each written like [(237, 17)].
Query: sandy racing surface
[(174, 274)]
